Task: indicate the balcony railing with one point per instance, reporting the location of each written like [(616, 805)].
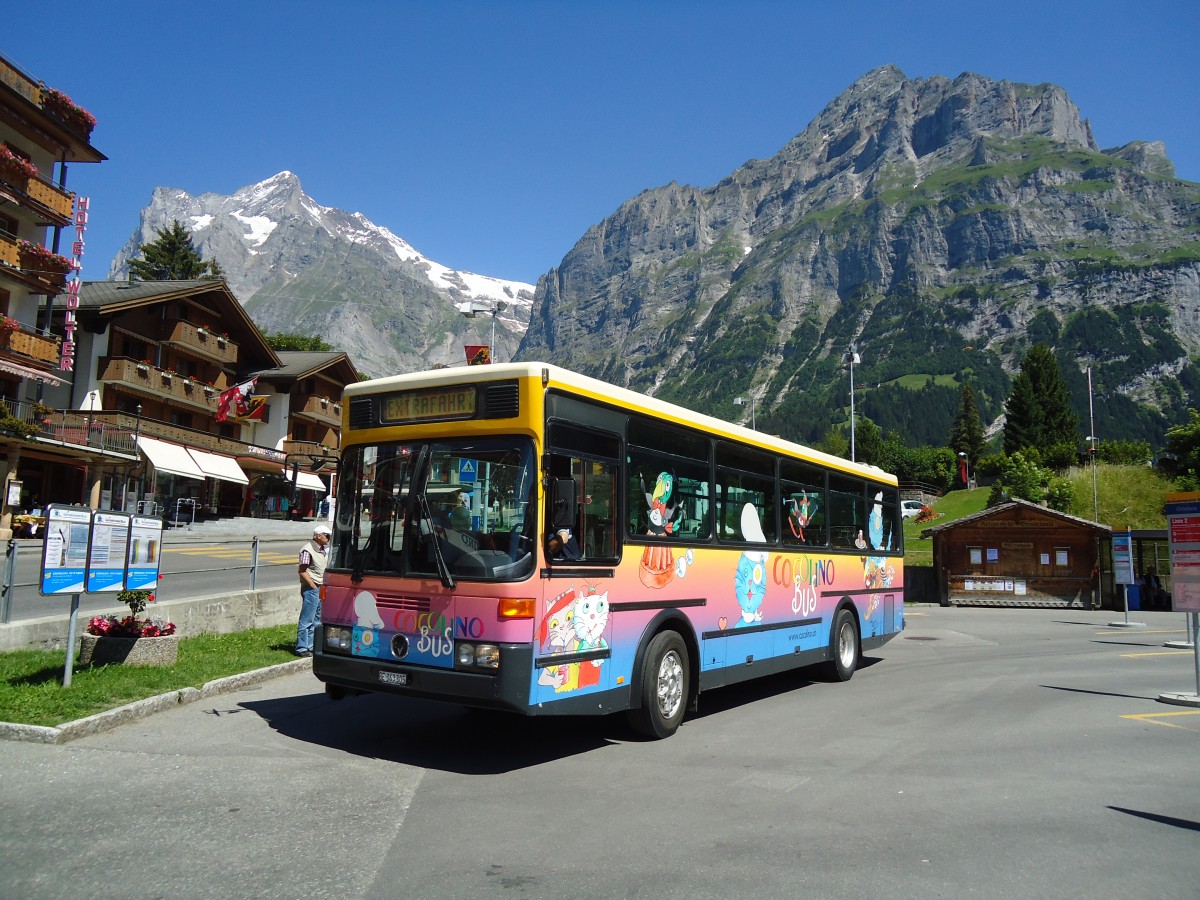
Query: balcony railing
[(23, 84), (40, 195), (115, 431), (30, 344), (201, 340), (322, 409), (33, 272), (144, 378)]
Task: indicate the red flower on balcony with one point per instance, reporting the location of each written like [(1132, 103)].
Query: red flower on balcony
[(71, 114), (15, 167), (38, 260)]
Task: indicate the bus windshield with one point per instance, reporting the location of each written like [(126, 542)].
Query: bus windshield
[(449, 510)]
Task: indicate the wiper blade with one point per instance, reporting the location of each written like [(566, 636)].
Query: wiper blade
[(421, 476)]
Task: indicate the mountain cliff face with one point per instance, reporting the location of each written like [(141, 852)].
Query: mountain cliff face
[(305, 268), (940, 227)]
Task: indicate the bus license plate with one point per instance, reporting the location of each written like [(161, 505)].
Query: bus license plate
[(393, 677)]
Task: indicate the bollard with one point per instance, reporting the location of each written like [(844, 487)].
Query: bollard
[(254, 562), (10, 577)]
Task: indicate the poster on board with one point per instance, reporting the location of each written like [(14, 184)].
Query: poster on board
[(65, 550), (1183, 542), (106, 557), (145, 543)]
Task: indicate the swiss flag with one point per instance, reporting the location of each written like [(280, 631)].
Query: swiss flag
[(236, 400)]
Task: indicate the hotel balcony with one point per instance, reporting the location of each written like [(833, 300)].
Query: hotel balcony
[(199, 340), (52, 204), (145, 379), (28, 270), (30, 346), (321, 409)]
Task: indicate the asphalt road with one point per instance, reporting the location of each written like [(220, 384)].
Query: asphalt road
[(984, 753), (190, 568)]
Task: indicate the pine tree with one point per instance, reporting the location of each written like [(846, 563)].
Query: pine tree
[(1038, 409), (172, 257), (966, 436)]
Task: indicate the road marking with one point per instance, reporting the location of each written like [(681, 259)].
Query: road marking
[(1153, 718), (1155, 653), (1141, 631)]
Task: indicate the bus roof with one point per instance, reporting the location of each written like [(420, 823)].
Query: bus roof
[(601, 391)]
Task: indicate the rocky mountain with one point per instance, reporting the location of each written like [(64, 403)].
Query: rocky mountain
[(301, 267), (939, 227)]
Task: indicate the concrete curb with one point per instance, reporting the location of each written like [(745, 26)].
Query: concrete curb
[(140, 709)]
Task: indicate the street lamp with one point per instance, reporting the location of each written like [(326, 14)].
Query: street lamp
[(742, 401), (851, 357), (471, 308), (1093, 446)]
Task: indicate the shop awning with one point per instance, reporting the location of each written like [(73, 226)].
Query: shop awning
[(308, 481), (13, 368), (215, 466), (169, 458)]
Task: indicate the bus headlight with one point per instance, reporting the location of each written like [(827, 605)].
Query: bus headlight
[(338, 637), (476, 656)]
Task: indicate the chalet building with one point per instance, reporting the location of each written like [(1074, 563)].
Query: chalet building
[(138, 424), (308, 386), (1019, 554)]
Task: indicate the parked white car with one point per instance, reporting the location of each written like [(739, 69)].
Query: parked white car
[(910, 509)]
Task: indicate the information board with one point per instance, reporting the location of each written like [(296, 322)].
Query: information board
[(1183, 541), (1122, 549), (106, 556), (65, 549), (145, 543)]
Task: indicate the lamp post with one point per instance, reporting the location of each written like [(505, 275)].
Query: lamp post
[(471, 308), (1093, 446), (742, 401), (851, 357)]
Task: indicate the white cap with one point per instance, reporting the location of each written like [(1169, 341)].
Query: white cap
[(322, 529)]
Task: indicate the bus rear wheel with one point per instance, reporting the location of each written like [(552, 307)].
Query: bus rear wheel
[(843, 647), (664, 687)]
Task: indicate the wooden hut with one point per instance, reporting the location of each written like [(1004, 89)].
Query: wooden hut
[(1018, 554)]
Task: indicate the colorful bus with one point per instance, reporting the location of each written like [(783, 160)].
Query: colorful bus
[(524, 538)]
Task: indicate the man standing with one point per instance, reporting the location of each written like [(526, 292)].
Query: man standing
[(312, 574)]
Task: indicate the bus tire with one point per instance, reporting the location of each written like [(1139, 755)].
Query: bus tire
[(664, 687), (844, 650)]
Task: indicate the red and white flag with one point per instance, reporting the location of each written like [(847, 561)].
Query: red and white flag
[(236, 400)]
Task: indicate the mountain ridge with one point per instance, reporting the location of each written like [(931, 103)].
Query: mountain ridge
[(956, 216), (281, 252)]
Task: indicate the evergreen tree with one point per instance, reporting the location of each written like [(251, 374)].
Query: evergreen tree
[(288, 341), (172, 257), (1038, 409), (966, 436)]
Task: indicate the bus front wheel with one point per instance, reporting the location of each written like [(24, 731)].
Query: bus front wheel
[(843, 647), (664, 687)]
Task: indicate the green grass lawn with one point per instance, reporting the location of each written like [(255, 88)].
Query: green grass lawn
[(31, 690), (918, 551)]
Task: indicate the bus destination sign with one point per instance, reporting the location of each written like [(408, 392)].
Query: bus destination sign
[(426, 405)]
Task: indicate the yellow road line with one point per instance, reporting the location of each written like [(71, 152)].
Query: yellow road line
[(1153, 718), (1155, 653), (1141, 631)]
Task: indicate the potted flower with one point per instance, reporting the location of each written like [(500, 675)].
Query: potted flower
[(16, 168), (41, 261), (143, 368), (131, 639), (8, 325), (67, 111)]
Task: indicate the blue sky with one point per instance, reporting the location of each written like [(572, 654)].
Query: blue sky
[(491, 135)]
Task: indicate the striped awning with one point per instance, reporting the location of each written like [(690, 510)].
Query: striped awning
[(13, 368)]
